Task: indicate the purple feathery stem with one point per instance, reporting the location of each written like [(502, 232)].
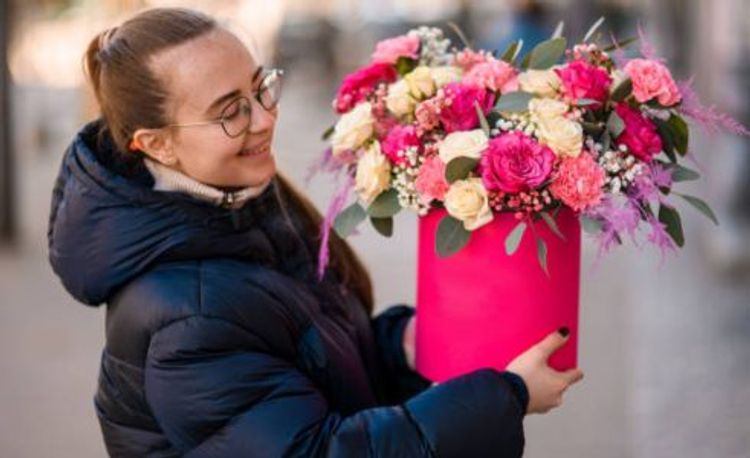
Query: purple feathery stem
[(707, 117), (334, 208)]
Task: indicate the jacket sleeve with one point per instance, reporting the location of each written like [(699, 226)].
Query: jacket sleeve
[(216, 391), (388, 329)]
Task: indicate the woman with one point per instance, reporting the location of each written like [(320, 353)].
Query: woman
[(220, 341)]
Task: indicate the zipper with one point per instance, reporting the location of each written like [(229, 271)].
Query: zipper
[(227, 201)]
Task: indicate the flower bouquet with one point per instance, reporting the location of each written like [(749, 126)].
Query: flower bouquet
[(504, 160)]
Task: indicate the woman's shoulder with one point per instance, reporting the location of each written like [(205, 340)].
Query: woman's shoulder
[(245, 295)]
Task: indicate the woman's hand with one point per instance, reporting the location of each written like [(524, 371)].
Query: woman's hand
[(545, 385), (410, 333)]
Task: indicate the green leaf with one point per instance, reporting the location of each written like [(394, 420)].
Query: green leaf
[(405, 65), (552, 224), (621, 44), (682, 173), (514, 102), (384, 226), (671, 219), (482, 119), (591, 225), (559, 30), (680, 133), (513, 241), (541, 254), (593, 29), (701, 206), (451, 236), (665, 132), (547, 53), (328, 132), (385, 205), (459, 168), (615, 124), (349, 219), (586, 102), (623, 90), (592, 128), (511, 53)]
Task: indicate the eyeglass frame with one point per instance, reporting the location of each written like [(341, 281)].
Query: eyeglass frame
[(278, 72)]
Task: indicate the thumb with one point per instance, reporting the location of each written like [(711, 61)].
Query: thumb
[(554, 341), (572, 376)]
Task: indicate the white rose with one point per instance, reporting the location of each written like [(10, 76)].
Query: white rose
[(399, 100), (542, 109), (563, 136), (541, 82), (446, 74), (467, 201), (373, 174), (420, 82), (353, 129), (465, 144)]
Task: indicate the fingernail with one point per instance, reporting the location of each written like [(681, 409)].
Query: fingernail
[(564, 331)]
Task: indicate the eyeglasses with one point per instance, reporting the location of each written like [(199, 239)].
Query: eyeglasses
[(235, 118)]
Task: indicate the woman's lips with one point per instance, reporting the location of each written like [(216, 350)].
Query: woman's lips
[(260, 151)]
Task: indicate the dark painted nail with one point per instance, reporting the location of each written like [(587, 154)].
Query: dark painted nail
[(564, 331)]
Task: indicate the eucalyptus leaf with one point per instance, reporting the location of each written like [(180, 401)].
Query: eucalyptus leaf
[(384, 226), (702, 206), (482, 119), (559, 29), (450, 237), (586, 102), (552, 224), (385, 205), (623, 90), (541, 254), (405, 65), (593, 29), (615, 124), (671, 219), (668, 145), (459, 168), (348, 220), (511, 53), (547, 53), (682, 173), (513, 240), (328, 132), (680, 133), (621, 44), (514, 102), (590, 225)]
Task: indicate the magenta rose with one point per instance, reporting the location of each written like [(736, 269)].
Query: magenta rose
[(515, 162), (398, 139), (459, 112), (388, 51), (359, 85), (640, 134), (582, 80)]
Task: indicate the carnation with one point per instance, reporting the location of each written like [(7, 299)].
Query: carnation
[(578, 182), (399, 138), (431, 183), (652, 80)]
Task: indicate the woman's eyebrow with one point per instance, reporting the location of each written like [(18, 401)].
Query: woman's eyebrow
[(232, 94)]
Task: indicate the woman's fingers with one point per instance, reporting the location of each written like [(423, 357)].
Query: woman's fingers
[(553, 341), (572, 376)]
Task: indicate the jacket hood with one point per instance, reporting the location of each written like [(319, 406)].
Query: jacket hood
[(107, 225)]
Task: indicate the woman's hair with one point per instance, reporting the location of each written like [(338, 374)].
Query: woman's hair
[(131, 96)]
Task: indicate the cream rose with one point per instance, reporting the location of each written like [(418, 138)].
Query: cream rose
[(373, 174), (545, 108), (353, 129), (445, 75), (399, 100), (464, 144), (420, 82), (545, 83), (467, 201), (563, 136)]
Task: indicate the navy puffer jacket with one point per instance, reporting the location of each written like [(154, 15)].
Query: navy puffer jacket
[(221, 343)]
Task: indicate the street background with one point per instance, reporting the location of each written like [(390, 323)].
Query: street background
[(665, 347)]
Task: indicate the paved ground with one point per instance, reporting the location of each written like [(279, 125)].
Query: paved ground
[(666, 351)]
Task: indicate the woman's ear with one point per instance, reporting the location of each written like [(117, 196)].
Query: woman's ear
[(155, 144)]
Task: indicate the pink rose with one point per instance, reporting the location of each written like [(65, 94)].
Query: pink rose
[(515, 162), (578, 182), (495, 75), (651, 79), (459, 112), (359, 85), (581, 80), (398, 139), (431, 183), (640, 134), (388, 51)]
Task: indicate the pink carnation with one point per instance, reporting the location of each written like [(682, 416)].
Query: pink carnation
[(428, 114), (640, 134), (398, 139), (388, 51), (431, 183), (459, 113), (359, 85), (578, 182), (581, 80), (651, 79), (495, 75), (467, 59), (515, 162)]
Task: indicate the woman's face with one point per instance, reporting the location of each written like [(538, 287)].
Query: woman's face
[(204, 78)]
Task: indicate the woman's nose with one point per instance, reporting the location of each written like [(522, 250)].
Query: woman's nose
[(262, 119)]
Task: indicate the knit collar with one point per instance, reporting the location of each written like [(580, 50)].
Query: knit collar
[(170, 180)]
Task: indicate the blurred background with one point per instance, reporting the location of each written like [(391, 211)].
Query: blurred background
[(665, 347)]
